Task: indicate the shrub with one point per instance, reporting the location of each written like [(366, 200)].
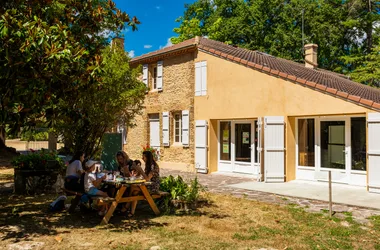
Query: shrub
[(39, 160), (180, 191)]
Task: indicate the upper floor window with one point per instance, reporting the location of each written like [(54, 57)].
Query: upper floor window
[(155, 78), (201, 78)]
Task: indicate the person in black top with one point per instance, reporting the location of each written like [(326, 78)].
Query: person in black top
[(126, 165)]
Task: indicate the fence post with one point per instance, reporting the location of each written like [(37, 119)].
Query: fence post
[(330, 195)]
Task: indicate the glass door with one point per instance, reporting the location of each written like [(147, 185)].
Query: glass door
[(243, 142), (243, 145), (333, 144), (237, 147)]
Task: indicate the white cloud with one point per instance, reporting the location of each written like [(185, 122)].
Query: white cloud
[(158, 7), (131, 53), (147, 46), (168, 43)]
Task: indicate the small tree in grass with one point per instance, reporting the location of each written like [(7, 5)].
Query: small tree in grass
[(116, 98)]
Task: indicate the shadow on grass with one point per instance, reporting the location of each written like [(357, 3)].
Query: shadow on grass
[(22, 217)]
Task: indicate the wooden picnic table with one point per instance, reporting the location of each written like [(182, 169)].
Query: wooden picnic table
[(120, 199)]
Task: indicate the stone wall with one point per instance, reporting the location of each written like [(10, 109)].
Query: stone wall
[(177, 95)]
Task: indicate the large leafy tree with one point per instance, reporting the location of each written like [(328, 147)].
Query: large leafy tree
[(345, 31), (95, 109), (50, 49), (363, 49)]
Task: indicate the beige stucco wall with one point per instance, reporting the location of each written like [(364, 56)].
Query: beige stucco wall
[(177, 95), (237, 92)]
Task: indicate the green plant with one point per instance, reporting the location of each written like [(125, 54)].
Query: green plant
[(175, 186), (43, 159), (193, 190), (180, 191)]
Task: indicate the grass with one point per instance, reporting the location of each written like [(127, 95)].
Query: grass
[(227, 223), (6, 175)]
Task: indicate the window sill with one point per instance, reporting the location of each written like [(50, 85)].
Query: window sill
[(155, 91), (177, 144)]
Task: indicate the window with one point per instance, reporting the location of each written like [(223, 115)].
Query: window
[(155, 78), (306, 142), (333, 144), (225, 141), (177, 128), (358, 143), (201, 78)]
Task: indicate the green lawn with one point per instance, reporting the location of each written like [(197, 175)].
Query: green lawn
[(226, 223)]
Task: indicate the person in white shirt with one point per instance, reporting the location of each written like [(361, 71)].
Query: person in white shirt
[(91, 183), (74, 172), (75, 165)]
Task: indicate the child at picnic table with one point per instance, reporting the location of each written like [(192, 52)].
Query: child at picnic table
[(92, 183)]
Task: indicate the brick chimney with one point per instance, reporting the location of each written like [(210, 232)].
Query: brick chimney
[(118, 41), (311, 55)]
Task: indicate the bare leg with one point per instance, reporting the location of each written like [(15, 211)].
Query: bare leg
[(133, 192), (101, 193)]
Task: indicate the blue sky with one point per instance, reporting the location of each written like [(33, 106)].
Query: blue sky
[(157, 19)]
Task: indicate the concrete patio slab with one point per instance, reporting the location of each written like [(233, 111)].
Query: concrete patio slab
[(342, 194)]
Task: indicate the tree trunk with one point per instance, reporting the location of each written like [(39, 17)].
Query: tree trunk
[(369, 29), (52, 141), (2, 137)]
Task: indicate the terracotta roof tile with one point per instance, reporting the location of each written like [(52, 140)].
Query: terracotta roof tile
[(376, 105), (325, 80)]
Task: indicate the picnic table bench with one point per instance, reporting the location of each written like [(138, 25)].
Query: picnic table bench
[(112, 203), (120, 199)]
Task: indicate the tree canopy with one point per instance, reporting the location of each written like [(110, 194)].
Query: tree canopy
[(95, 109), (50, 50), (347, 32)]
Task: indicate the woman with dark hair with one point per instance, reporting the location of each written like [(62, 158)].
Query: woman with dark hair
[(74, 172), (150, 173)]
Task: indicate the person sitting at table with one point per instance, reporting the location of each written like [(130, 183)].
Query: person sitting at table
[(137, 165), (125, 164), (150, 173), (74, 172), (92, 183)]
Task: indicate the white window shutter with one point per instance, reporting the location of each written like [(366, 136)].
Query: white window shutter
[(373, 152), (159, 74), (165, 128), (204, 78), (145, 74), (185, 128), (201, 146), (274, 148), (198, 79)]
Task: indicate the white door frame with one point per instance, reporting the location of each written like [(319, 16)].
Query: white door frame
[(232, 165), (347, 175)]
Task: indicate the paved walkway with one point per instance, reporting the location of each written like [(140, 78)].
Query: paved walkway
[(242, 186)]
